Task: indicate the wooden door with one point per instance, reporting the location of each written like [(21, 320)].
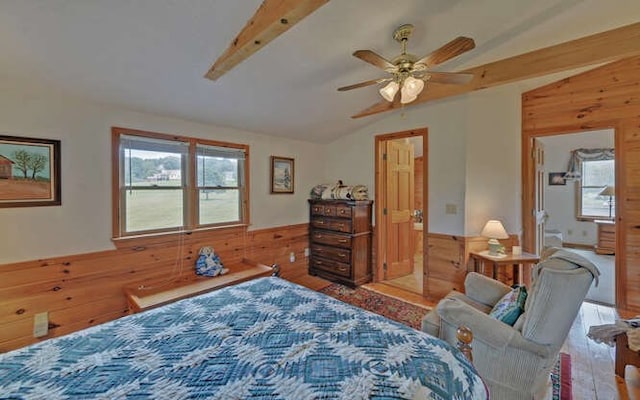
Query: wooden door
[(399, 177), (539, 213)]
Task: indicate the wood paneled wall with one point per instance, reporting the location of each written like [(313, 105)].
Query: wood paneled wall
[(448, 262), (83, 290), (605, 97)]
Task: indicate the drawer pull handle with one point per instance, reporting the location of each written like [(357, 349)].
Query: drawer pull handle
[(317, 235), (342, 240), (340, 226), (342, 255), (319, 262), (320, 222), (318, 250), (342, 269)]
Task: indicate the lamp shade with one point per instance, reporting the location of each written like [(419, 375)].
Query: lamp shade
[(493, 229), (411, 88), (608, 191), (389, 91)]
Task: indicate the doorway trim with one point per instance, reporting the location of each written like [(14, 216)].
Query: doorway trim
[(381, 200), (529, 194)]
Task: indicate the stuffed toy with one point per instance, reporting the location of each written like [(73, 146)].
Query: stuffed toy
[(208, 263)]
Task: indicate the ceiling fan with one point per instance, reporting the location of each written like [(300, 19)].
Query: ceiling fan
[(408, 73)]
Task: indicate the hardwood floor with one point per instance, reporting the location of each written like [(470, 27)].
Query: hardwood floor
[(592, 364)]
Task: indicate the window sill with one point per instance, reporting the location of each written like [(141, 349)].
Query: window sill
[(594, 218), (140, 242)]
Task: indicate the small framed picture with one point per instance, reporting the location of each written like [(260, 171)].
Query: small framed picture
[(557, 179), (282, 175), (29, 172)]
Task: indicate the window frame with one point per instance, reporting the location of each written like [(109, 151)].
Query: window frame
[(579, 187), (190, 188)]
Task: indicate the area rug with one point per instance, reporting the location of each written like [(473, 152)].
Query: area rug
[(397, 310), (561, 378)]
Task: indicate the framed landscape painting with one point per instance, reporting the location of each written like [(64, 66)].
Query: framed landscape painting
[(282, 174), (29, 172)]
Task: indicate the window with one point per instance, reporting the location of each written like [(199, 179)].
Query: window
[(166, 183), (595, 176)]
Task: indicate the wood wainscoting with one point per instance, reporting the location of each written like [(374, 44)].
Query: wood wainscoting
[(79, 291), (448, 262)]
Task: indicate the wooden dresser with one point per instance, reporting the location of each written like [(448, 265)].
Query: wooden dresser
[(606, 237), (340, 240)]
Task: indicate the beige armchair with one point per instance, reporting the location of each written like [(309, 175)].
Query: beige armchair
[(515, 361)]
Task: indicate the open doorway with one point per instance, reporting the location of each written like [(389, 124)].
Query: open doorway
[(401, 185), (579, 211)]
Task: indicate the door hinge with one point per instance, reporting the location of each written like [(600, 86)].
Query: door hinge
[(384, 157), (384, 266), (384, 211)]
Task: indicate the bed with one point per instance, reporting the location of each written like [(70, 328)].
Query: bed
[(262, 339)]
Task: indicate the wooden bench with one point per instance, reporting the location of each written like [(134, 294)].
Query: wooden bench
[(151, 294)]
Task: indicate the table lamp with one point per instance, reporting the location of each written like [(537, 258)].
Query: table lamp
[(494, 231), (608, 191)]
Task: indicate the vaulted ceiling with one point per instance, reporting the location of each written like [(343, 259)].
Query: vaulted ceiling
[(152, 55)]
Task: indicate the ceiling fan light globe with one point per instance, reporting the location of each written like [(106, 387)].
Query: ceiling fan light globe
[(413, 86), (404, 98), (389, 91)]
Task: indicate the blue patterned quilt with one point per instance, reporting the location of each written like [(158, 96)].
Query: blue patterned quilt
[(262, 339)]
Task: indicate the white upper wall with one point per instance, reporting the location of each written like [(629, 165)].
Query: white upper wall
[(352, 158), (560, 201), (473, 158), (493, 178), (83, 222)]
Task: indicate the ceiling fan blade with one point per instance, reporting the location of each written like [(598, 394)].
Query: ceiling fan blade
[(379, 107), (449, 77), (363, 84), (373, 59), (452, 49)]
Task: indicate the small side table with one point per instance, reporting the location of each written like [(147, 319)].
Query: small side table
[(527, 260), (624, 355)]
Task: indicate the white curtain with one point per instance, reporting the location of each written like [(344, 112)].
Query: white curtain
[(579, 155)]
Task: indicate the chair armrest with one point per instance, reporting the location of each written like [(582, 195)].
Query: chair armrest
[(487, 330), (484, 289)]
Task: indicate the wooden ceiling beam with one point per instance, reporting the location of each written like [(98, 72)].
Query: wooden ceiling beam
[(599, 48), (272, 18)]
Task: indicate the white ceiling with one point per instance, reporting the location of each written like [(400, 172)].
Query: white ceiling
[(151, 55)]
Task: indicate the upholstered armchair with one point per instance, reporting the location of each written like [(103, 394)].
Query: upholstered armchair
[(515, 361)]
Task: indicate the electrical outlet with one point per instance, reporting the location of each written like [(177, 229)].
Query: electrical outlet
[(306, 252), (451, 209), (41, 324), (292, 257)]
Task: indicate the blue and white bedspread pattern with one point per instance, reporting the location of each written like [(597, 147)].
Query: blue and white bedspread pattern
[(262, 339)]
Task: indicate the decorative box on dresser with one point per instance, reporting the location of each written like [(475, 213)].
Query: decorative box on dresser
[(340, 240)]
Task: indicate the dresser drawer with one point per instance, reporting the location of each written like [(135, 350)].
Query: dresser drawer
[(334, 253), (331, 238), (337, 210), (335, 267), (607, 237), (340, 225)]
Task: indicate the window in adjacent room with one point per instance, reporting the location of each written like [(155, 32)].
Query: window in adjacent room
[(595, 176), (166, 183)]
